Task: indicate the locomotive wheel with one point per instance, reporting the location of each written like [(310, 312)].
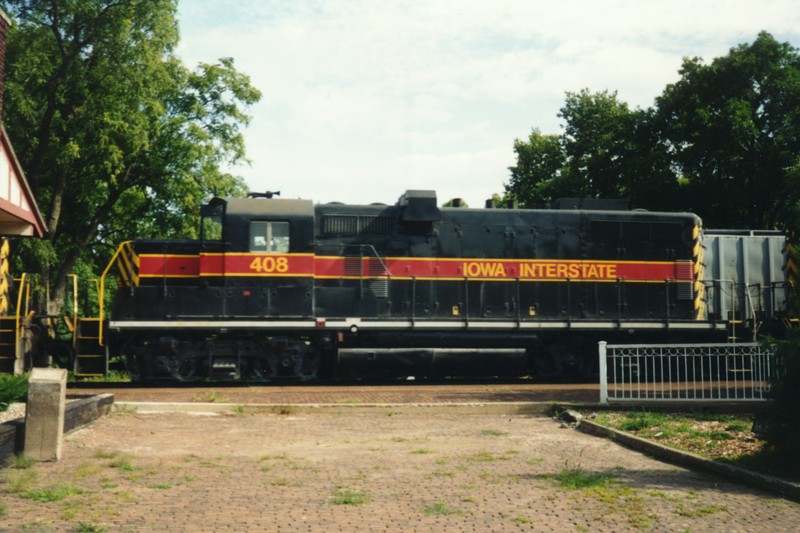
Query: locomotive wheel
[(571, 357)]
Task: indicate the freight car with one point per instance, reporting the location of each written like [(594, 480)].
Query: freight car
[(279, 288)]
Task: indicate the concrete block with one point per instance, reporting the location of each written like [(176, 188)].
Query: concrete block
[(44, 417)]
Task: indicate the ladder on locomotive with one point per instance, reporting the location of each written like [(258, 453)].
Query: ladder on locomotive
[(15, 315), (90, 356)]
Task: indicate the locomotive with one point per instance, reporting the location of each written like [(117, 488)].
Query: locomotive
[(278, 288)]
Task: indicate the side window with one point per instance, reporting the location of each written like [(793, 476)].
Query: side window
[(269, 237), (211, 223)]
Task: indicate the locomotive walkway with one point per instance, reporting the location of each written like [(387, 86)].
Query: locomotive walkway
[(386, 468)]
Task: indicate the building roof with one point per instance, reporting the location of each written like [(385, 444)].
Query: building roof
[(19, 214)]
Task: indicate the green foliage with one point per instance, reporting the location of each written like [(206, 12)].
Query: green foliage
[(723, 141), (783, 416), (84, 527), (19, 461), (52, 494), (540, 174), (639, 420), (576, 477), (118, 138), (440, 508), (12, 389), (349, 497), (733, 127)]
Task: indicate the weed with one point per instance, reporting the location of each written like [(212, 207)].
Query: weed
[(161, 486), (238, 410), (124, 464), (84, 470), (285, 482), (89, 528), (52, 494), (349, 497), (3, 510), (349, 400), (639, 420), (122, 408), (697, 511), (421, 451), (113, 376), (211, 396), (19, 481), (576, 477), (487, 457), (440, 508), (106, 454), (284, 410), (493, 433), (19, 461)]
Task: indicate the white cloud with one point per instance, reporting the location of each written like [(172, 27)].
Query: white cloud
[(363, 99)]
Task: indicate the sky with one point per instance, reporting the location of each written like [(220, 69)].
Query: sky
[(364, 99)]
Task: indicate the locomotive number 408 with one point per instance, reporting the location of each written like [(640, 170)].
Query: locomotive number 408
[(270, 264)]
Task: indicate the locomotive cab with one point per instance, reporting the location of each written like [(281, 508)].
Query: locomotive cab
[(262, 256)]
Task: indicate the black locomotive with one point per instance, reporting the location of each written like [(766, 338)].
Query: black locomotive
[(285, 288)]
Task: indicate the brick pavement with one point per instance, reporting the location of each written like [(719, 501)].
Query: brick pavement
[(408, 392), (369, 470)]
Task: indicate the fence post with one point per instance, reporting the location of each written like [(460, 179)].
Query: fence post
[(603, 366)]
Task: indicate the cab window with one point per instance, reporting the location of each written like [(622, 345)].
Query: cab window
[(269, 237)]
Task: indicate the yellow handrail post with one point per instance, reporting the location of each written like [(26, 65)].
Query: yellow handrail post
[(102, 288), (19, 305), (74, 308)]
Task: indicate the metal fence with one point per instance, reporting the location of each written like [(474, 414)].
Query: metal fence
[(684, 372)]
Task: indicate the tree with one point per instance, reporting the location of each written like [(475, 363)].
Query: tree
[(117, 137), (733, 132), (723, 141), (541, 173)]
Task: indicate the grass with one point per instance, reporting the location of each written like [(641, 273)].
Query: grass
[(19, 461), (440, 508), (493, 433), (90, 528), (113, 376), (210, 397), (52, 494), (576, 477), (486, 457), (349, 497), (714, 435), (19, 481)]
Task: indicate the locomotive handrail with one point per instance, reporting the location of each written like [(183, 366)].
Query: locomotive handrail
[(73, 327), (24, 288), (125, 246)]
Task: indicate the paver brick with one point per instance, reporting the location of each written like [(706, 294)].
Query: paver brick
[(417, 472)]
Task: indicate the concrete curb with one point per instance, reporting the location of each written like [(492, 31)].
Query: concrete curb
[(692, 461), (79, 411)]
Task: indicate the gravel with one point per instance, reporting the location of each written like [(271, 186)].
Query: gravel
[(14, 411)]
